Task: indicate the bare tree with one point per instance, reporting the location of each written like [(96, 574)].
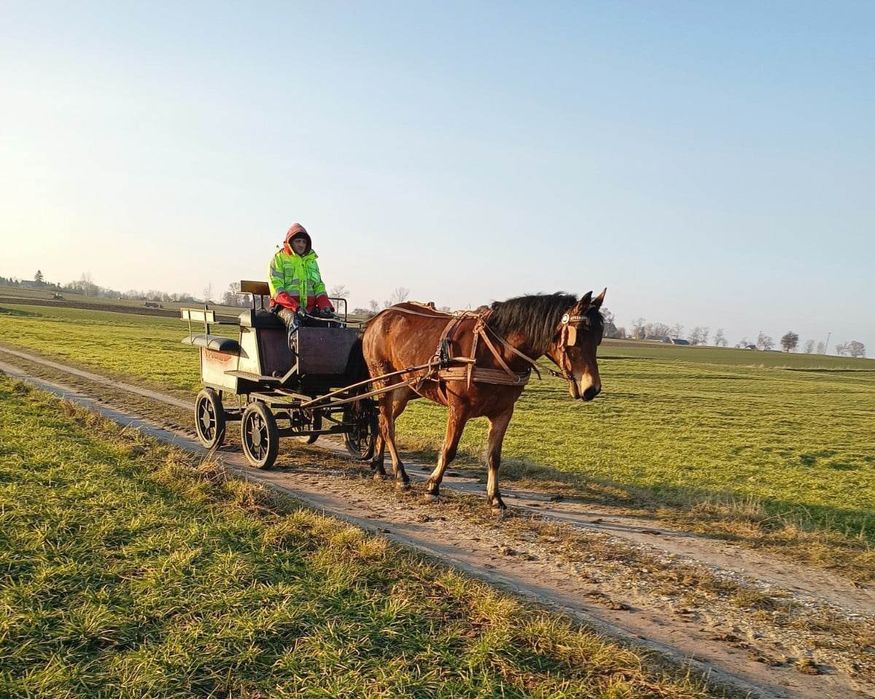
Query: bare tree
[(719, 338), (656, 330), (340, 291), (821, 347), (842, 349), (610, 326), (638, 329), (677, 330), (232, 296), (399, 295), (373, 306), (698, 336), (809, 347), (856, 348), (38, 278), (789, 341), (764, 342)]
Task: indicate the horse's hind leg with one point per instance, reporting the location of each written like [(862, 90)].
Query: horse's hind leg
[(497, 428), (387, 431), (455, 425), (379, 460)]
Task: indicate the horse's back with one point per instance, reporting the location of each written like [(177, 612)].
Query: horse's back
[(404, 334)]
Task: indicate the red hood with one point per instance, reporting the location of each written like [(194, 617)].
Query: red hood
[(297, 230)]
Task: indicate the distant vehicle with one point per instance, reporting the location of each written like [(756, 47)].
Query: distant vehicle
[(57, 297), (152, 304), (679, 341)]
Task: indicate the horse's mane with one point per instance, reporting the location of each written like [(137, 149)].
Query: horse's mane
[(536, 316)]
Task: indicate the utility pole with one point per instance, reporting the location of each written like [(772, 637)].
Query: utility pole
[(826, 346)]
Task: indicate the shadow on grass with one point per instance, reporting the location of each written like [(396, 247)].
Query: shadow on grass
[(752, 517), (17, 312)]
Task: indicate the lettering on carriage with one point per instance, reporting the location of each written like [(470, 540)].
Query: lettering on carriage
[(220, 357)]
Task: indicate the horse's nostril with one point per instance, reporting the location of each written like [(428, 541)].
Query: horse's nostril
[(591, 392)]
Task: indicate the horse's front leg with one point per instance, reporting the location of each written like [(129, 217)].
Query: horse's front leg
[(497, 428), (455, 426)]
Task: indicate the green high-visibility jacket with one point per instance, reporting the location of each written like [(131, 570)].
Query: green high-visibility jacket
[(297, 275)]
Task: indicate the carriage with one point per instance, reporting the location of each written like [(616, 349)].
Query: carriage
[(303, 387)]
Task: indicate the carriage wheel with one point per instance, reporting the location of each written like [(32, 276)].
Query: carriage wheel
[(361, 439), (209, 418), (316, 424), (259, 435)]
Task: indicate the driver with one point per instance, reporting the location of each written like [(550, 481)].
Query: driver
[(295, 280)]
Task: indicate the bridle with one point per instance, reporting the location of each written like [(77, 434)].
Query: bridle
[(568, 327)]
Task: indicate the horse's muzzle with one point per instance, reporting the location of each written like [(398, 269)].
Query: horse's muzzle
[(591, 392)]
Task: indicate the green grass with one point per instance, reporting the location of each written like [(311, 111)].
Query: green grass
[(125, 572), (793, 434)]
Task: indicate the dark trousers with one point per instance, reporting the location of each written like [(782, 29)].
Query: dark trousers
[(289, 317)]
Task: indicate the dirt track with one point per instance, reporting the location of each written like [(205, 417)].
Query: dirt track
[(631, 577)]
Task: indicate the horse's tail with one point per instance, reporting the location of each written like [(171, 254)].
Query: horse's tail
[(356, 367)]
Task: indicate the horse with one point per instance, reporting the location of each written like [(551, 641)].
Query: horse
[(497, 349)]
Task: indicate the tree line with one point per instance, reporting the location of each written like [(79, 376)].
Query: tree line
[(640, 329)]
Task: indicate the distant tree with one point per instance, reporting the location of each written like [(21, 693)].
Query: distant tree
[(842, 349), (86, 285), (621, 333), (374, 306), (742, 343), (637, 331), (399, 295), (340, 291), (656, 330), (809, 347), (856, 348), (821, 348), (38, 278), (719, 338), (231, 297), (677, 330), (698, 336), (610, 326), (764, 342), (789, 341)]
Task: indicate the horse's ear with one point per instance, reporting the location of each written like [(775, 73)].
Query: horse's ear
[(584, 302), (599, 300)]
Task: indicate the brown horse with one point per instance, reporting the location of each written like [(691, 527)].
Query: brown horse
[(510, 333)]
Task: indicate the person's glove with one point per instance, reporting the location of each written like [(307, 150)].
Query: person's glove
[(286, 301), (324, 304)]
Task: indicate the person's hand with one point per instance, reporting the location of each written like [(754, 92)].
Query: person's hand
[(324, 304)]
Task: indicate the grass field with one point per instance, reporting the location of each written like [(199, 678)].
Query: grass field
[(792, 434), (125, 572)]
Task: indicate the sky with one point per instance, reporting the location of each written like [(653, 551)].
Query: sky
[(709, 163)]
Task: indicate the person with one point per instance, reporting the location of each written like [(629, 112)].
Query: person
[(295, 282)]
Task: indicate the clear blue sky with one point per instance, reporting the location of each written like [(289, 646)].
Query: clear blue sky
[(710, 163)]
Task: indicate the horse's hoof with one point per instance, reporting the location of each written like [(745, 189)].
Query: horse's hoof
[(401, 485), (379, 476), (431, 497), (499, 511)]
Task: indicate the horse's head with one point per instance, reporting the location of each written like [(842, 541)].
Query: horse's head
[(574, 346)]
